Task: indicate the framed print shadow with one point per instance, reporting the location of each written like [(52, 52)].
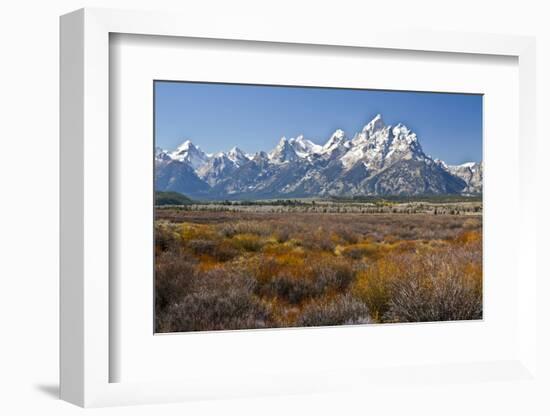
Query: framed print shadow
[(288, 206)]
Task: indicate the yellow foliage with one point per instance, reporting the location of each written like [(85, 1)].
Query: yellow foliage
[(469, 237), (189, 231), (372, 286), (248, 242)]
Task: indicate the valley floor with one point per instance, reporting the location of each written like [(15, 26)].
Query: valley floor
[(241, 266)]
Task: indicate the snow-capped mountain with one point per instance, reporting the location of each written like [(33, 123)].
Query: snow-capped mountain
[(191, 154), (173, 175), (379, 145), (221, 165), (380, 160), (471, 173)]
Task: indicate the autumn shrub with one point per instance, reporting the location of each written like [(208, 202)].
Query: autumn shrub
[(167, 236), (220, 300), (347, 235), (289, 288), (390, 239), (247, 242), (331, 273), (225, 251), (443, 299), (263, 267), (282, 234), (435, 287), (294, 260), (202, 247), (406, 246), (469, 237), (360, 250), (372, 287), (341, 310), (295, 278), (196, 232), (318, 241), (442, 283), (175, 275), (471, 224), (245, 227)]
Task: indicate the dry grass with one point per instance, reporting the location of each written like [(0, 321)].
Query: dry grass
[(239, 270)]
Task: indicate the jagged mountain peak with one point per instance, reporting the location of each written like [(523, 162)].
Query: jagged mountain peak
[(405, 142), (303, 147), (337, 144), (185, 145), (379, 145), (337, 137), (161, 155), (377, 123), (260, 156), (236, 151), (191, 154), (282, 141), (338, 134), (237, 156), (283, 152), (400, 131), (375, 131)]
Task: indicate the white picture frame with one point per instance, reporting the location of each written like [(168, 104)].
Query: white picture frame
[(85, 351)]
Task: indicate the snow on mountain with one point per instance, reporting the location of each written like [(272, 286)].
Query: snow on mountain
[(161, 155), (304, 147), (467, 165), (173, 175), (284, 152), (380, 160), (191, 154), (221, 165), (471, 173), (260, 156), (404, 145), (237, 156), (379, 145), (338, 142), (441, 163), (369, 145)]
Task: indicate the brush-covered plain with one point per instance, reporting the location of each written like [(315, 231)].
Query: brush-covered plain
[(220, 268)]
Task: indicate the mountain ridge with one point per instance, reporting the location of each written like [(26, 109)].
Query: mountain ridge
[(379, 160)]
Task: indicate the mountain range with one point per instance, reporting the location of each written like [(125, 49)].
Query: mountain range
[(379, 160)]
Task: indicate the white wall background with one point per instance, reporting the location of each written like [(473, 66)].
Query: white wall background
[(29, 207)]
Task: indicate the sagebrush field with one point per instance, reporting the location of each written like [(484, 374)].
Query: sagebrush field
[(263, 266)]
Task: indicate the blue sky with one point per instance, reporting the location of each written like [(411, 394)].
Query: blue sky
[(217, 117)]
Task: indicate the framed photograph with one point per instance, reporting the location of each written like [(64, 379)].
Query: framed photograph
[(282, 213), (293, 232)]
